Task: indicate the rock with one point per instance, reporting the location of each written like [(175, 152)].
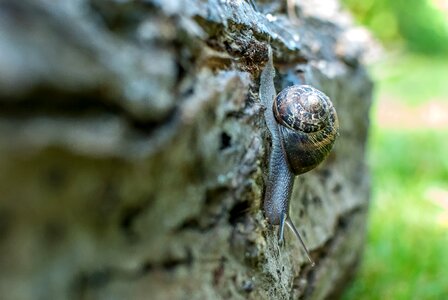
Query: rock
[(133, 151)]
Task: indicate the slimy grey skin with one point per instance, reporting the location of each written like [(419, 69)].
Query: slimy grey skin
[(303, 126)]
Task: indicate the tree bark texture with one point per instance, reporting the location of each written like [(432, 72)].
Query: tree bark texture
[(134, 151)]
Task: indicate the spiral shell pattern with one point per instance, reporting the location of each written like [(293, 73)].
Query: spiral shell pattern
[(308, 125)]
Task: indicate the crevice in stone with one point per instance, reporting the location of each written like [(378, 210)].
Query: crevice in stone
[(130, 215), (52, 102), (104, 276), (226, 141), (167, 264), (238, 212)]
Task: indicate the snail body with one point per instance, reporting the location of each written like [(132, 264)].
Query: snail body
[(304, 126)]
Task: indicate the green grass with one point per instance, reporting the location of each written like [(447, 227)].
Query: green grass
[(412, 79), (406, 255)]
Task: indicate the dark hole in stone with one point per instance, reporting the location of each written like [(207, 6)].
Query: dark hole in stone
[(226, 141), (130, 215), (325, 173), (343, 222), (172, 264), (166, 265), (218, 273), (147, 267), (54, 232), (317, 200), (5, 223), (307, 198), (188, 92), (120, 17), (301, 213), (190, 223), (94, 280), (99, 278), (337, 188), (238, 212), (300, 70), (55, 178), (214, 195)]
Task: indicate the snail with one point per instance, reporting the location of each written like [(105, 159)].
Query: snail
[(304, 126)]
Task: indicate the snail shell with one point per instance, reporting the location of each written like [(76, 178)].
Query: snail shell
[(308, 126)]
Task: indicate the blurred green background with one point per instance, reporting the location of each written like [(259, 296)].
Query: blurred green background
[(406, 255)]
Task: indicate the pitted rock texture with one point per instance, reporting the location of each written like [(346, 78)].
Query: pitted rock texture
[(133, 150)]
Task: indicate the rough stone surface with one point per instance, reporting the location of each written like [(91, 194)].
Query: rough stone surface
[(133, 150)]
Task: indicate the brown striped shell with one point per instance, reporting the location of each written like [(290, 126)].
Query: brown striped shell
[(308, 126)]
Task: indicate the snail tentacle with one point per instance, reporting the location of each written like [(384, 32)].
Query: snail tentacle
[(290, 224), (267, 95)]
